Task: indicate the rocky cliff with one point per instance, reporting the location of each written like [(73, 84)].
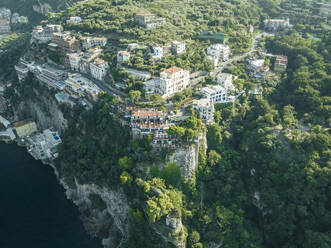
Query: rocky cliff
[(44, 110), (187, 157), (110, 222)]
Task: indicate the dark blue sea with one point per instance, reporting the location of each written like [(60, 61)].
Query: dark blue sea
[(34, 211)]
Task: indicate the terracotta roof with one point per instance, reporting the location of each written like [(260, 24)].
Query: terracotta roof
[(124, 53), (173, 70), (145, 14), (145, 113), (22, 123), (281, 60), (99, 60)]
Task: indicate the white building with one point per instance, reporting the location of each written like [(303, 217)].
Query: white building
[(4, 26), (213, 60), (257, 68), (276, 24), (178, 47), (43, 145), (74, 20), (157, 52), (141, 75), (217, 94), (173, 80), (225, 79), (79, 86), (44, 35), (99, 69), (205, 109), (220, 51), (123, 56), (90, 42), (74, 61)]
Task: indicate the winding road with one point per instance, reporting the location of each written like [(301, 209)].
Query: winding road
[(237, 57)]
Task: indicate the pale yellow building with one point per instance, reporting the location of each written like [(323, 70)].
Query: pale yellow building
[(25, 128)]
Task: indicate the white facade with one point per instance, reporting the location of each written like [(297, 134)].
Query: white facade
[(74, 61), (44, 35), (99, 69), (217, 94), (142, 75), (123, 56), (213, 60), (89, 42), (276, 24), (205, 109), (178, 47), (173, 80), (74, 20), (157, 52), (219, 51), (225, 79)]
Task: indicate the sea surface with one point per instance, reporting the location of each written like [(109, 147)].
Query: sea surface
[(34, 211)]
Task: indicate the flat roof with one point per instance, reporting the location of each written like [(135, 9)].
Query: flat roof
[(22, 123)]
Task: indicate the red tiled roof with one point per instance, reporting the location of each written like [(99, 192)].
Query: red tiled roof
[(281, 60), (124, 53), (145, 113), (173, 70), (145, 14), (99, 60)]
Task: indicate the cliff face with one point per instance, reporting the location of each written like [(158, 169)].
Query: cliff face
[(187, 157), (42, 8), (44, 110), (110, 223)]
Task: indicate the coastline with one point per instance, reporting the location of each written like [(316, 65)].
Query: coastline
[(116, 211)]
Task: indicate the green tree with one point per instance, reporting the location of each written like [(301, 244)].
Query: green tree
[(171, 174)]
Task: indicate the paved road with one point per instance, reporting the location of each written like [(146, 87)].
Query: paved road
[(237, 57), (102, 85)]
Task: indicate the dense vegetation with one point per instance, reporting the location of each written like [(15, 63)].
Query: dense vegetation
[(25, 7), (12, 46), (185, 20), (265, 180)]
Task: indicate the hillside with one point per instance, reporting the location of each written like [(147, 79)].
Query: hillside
[(185, 20), (257, 175), (35, 9)]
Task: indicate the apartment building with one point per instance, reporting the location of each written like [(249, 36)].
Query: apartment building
[(4, 26), (51, 76), (173, 80), (45, 34), (99, 68), (74, 20), (65, 41), (178, 47), (219, 51), (149, 20), (91, 42), (74, 60), (276, 24), (280, 63), (123, 56), (217, 94), (87, 58), (205, 109), (157, 52), (25, 128)]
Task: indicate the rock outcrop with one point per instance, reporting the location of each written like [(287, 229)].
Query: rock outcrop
[(42, 8), (44, 111), (110, 223), (187, 157)]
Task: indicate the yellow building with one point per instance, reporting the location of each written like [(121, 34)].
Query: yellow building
[(25, 128)]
